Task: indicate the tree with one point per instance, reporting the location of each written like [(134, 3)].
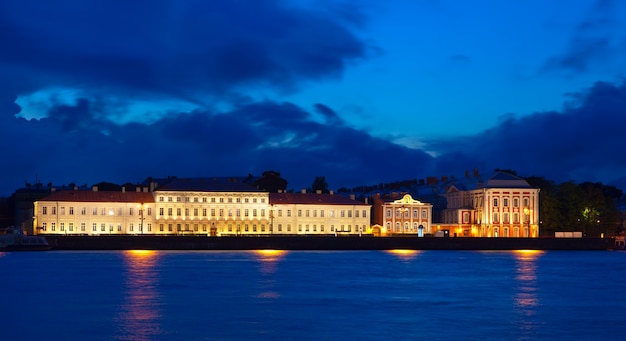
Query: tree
[(271, 181), (550, 217), (320, 184)]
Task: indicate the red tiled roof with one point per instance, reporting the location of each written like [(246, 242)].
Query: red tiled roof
[(100, 196), (312, 199)]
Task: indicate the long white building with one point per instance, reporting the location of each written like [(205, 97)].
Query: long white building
[(203, 206)]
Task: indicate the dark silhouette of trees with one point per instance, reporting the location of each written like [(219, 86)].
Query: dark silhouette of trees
[(271, 181), (320, 184)]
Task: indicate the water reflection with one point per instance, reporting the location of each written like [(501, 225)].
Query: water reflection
[(269, 260), (139, 314), (404, 255), (526, 299)]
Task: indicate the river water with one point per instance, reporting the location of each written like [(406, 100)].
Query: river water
[(298, 295)]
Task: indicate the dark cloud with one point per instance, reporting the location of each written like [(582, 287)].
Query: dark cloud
[(178, 48), (73, 145), (591, 44), (584, 142)]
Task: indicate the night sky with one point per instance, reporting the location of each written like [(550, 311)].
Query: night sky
[(360, 92)]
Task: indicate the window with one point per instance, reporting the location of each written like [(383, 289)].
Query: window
[(161, 211), (169, 211), (289, 213), (230, 200), (131, 228), (161, 227), (119, 211), (178, 211), (238, 212), (169, 199), (62, 212), (505, 202), (349, 213), (82, 227), (161, 198), (280, 227), (254, 212), (71, 210), (54, 210), (415, 214), (495, 202), (424, 214), (262, 213), (94, 227), (495, 217), (505, 217), (54, 227), (71, 227), (212, 212), (322, 213), (149, 227), (44, 210), (515, 202), (364, 214), (246, 212), (307, 213), (356, 213), (515, 218), (525, 202), (103, 227), (94, 211), (299, 213), (204, 212), (466, 216), (62, 226), (43, 226), (288, 227)]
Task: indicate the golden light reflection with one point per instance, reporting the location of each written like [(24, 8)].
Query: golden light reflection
[(404, 254), (526, 274), (140, 314), (269, 259)]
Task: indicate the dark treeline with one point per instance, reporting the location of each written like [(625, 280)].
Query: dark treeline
[(591, 208)]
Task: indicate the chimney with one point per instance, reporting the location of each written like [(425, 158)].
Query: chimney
[(319, 191), (475, 172), (94, 188), (123, 189), (53, 189), (332, 192), (137, 189), (303, 191), (467, 173), (352, 197)]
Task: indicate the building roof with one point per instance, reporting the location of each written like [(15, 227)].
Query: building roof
[(312, 199), (99, 196), (216, 184)]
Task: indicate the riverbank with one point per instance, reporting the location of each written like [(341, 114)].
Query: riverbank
[(321, 243)]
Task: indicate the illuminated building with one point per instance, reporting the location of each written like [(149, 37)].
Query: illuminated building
[(94, 212), (502, 206), (401, 216), (198, 206), (316, 213)]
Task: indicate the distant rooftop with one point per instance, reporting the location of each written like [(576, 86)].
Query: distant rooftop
[(213, 184), (312, 199), (99, 196)]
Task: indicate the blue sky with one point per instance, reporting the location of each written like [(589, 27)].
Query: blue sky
[(114, 91)]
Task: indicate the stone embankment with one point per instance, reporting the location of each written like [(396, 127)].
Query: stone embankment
[(321, 243)]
